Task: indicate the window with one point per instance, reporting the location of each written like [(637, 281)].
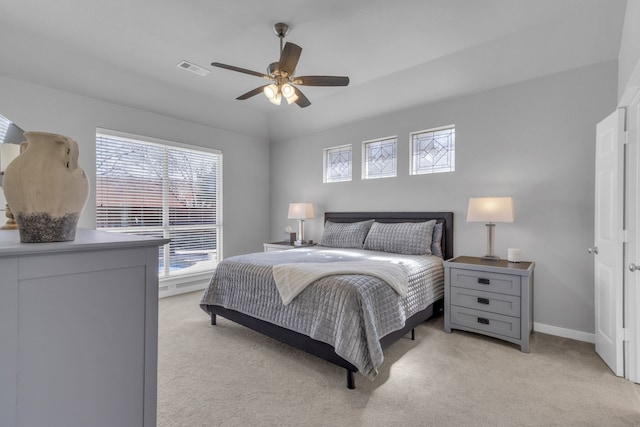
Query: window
[(162, 189), (337, 164), (379, 158), (433, 151), (4, 128)]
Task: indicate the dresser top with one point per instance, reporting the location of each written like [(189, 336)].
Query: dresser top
[(86, 239)]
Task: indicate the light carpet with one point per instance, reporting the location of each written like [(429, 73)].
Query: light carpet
[(228, 375)]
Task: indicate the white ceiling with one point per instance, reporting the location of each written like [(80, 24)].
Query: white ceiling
[(397, 53)]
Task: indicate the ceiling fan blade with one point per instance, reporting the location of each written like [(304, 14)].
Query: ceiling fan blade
[(240, 70), (251, 93), (322, 81), (289, 58), (302, 100)]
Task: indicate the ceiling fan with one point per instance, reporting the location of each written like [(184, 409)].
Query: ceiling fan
[(281, 74)]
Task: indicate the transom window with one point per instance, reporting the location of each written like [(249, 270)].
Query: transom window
[(162, 189), (337, 164), (379, 158), (433, 150)]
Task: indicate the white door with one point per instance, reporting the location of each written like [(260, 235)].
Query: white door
[(632, 253), (608, 261)]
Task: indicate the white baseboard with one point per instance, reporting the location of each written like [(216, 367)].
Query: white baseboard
[(565, 333), (182, 285), (170, 291)]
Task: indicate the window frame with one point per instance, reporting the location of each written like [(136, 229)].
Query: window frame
[(414, 171), (325, 154), (365, 164), (165, 276)]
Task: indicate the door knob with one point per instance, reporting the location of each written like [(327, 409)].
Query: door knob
[(633, 267), (593, 250)]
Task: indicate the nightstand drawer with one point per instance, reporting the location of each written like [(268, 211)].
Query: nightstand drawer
[(487, 322), (508, 305), (484, 281)]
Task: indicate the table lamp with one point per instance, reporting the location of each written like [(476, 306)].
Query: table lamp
[(490, 210), (300, 211)]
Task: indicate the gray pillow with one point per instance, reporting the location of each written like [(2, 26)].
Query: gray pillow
[(436, 240), (345, 234), (408, 238)]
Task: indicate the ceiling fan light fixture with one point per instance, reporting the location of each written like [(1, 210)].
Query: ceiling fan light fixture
[(271, 91), (289, 93), (282, 74), (292, 99), (276, 100), (287, 90)]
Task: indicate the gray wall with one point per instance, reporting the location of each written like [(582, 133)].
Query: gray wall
[(629, 57), (533, 141), (245, 161)]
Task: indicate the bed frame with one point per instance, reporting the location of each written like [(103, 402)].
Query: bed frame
[(326, 351)]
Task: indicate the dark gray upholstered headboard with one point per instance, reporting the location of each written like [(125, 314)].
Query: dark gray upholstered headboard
[(442, 217)]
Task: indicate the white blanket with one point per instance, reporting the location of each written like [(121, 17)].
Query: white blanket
[(291, 279)]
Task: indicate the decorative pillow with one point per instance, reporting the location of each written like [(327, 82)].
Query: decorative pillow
[(408, 238), (436, 240), (345, 234)]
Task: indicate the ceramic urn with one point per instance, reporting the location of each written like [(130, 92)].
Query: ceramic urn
[(46, 188)]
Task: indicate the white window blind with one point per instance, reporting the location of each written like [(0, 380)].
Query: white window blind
[(4, 127), (162, 189)]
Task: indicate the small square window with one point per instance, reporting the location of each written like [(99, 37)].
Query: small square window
[(337, 164), (433, 151), (379, 158)]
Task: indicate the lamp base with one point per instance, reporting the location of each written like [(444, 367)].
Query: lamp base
[(491, 251)]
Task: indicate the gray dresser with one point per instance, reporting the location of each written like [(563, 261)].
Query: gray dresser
[(79, 331), (493, 298)]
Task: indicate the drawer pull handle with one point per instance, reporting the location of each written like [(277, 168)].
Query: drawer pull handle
[(483, 320), (483, 281), (483, 301)]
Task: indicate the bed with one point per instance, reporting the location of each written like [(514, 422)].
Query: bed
[(348, 318)]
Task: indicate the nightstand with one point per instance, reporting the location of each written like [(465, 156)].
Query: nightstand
[(493, 298), (283, 246)]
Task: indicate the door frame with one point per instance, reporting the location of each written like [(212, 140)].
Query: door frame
[(629, 100), (632, 245)]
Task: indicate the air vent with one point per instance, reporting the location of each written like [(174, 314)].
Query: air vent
[(193, 68)]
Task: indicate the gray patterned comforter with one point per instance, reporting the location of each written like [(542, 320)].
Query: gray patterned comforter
[(349, 312)]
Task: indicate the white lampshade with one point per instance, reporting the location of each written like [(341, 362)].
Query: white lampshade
[(8, 152), (300, 211), (289, 93), (276, 100), (272, 92), (287, 90), (490, 209)]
